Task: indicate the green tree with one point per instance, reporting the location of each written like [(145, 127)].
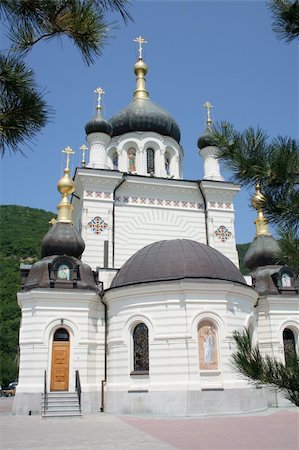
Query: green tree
[(21, 232), (29, 22), (274, 164), (249, 362), (285, 15)]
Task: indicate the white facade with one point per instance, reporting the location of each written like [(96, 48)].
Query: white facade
[(131, 194), (175, 385)]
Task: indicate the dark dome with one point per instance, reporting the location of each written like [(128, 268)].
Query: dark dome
[(205, 140), (144, 115), (62, 239), (174, 260), (262, 252), (98, 125)]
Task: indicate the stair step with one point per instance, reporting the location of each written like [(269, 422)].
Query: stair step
[(61, 414), (60, 404), (63, 408)]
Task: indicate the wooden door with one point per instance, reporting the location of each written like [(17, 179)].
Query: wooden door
[(60, 365)]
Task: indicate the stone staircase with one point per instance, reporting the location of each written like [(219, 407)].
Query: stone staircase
[(61, 404)]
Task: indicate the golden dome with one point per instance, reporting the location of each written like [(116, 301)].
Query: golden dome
[(65, 185), (140, 66), (258, 200)]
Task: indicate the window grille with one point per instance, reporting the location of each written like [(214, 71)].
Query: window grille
[(141, 351), (150, 160)]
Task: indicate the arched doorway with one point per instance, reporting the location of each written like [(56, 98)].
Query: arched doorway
[(60, 360)]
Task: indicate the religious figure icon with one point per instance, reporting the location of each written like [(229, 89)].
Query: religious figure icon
[(167, 165), (115, 161), (208, 352), (131, 160), (285, 280), (63, 272)]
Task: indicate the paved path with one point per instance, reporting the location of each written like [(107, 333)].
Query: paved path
[(271, 430)]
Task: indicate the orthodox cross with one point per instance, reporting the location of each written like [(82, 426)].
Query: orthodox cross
[(83, 148), (100, 92), (68, 151), (209, 106), (140, 41)]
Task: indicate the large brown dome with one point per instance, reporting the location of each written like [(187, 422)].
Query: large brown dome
[(174, 260)]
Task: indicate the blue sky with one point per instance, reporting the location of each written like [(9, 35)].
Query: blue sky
[(220, 51)]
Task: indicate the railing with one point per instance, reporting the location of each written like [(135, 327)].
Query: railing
[(78, 388), (45, 392)]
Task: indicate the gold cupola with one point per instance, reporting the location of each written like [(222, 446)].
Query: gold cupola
[(264, 249), (258, 203), (66, 187), (63, 237)]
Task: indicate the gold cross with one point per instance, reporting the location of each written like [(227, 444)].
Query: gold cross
[(68, 151), (83, 148), (140, 41), (209, 106), (100, 92)]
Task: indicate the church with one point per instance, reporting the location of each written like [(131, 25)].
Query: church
[(132, 307)]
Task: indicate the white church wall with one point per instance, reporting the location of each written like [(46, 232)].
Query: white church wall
[(172, 312), (43, 312), (220, 217), (274, 313)]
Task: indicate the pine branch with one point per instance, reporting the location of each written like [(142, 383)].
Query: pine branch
[(23, 110), (285, 15), (248, 361)]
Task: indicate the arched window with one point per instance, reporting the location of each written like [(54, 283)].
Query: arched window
[(289, 345), (208, 345), (61, 335), (150, 160), (140, 345), (167, 163), (115, 161), (131, 160)]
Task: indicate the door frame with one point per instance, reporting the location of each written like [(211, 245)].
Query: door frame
[(71, 380)]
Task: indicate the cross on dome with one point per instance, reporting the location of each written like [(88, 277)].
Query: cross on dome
[(208, 106), (68, 151), (100, 92), (140, 41), (83, 148)]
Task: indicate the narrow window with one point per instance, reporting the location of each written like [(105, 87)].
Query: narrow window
[(150, 161), (131, 160), (141, 352), (207, 345), (289, 345)]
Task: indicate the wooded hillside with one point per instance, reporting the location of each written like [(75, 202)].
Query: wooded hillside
[(21, 232)]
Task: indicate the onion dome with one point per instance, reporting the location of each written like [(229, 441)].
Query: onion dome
[(205, 140), (98, 124), (63, 238), (174, 260), (142, 114), (264, 249)]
